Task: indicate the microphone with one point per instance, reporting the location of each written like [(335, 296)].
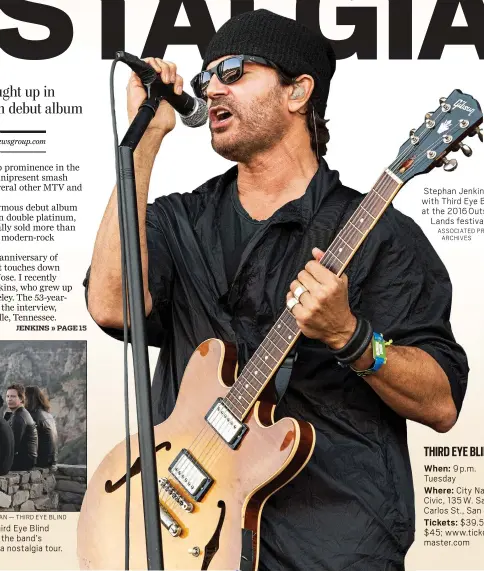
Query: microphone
[(192, 110)]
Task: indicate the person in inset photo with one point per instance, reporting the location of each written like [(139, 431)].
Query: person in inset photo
[(23, 428), (38, 405), (7, 445)]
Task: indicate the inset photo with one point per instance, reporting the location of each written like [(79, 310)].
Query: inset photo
[(43, 437)]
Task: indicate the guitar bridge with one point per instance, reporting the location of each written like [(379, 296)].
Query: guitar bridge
[(166, 489), (225, 424)]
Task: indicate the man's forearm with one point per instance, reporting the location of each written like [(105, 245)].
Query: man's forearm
[(105, 285), (414, 385)]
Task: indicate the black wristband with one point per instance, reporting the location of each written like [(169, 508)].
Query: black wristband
[(361, 349), (353, 342), (357, 344)]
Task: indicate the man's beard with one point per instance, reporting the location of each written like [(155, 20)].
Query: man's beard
[(259, 128)]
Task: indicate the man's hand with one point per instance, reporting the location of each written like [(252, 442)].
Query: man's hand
[(323, 311), (164, 120)]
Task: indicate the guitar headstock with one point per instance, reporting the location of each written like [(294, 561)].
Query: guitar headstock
[(457, 117)]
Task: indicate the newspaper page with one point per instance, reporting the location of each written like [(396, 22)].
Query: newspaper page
[(57, 170)]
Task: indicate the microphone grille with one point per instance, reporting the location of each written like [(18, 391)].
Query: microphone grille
[(198, 116)]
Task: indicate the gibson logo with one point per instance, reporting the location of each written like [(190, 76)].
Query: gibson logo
[(461, 104)]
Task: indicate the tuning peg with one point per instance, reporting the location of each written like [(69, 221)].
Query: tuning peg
[(477, 131), (429, 114), (465, 149), (412, 132), (442, 100), (449, 166)]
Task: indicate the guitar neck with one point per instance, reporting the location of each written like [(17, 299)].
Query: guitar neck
[(278, 342)]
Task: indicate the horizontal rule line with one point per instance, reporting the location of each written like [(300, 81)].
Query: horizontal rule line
[(23, 131)]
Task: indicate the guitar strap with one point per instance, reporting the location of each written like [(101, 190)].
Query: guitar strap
[(323, 229)]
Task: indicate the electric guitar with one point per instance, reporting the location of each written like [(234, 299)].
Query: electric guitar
[(220, 455)]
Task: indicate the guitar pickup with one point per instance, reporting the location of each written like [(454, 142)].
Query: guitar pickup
[(225, 424), (190, 475)]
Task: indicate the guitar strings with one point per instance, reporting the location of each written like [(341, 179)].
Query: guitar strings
[(208, 448), (209, 455), (351, 232), (422, 138), (380, 186)]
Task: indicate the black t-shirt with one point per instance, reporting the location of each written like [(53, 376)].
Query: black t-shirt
[(352, 507), (237, 230)]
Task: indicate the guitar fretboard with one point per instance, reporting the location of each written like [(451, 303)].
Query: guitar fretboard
[(278, 342)]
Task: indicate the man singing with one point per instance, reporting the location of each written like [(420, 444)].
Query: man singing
[(222, 261)]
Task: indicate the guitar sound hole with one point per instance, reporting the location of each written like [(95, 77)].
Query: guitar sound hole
[(212, 546), (109, 487)]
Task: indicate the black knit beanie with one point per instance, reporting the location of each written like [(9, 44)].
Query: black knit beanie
[(290, 45)]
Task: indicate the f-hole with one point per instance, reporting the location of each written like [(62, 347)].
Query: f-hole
[(135, 469), (212, 546)]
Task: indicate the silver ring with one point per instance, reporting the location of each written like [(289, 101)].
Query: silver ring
[(299, 291), (291, 303)]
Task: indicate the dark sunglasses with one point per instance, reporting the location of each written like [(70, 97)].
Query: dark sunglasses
[(228, 71)]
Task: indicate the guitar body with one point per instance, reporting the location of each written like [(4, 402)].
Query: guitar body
[(222, 530)]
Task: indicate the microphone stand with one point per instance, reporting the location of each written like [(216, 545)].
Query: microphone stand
[(128, 220)]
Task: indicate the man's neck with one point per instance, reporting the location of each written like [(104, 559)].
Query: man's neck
[(14, 409), (275, 177)]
